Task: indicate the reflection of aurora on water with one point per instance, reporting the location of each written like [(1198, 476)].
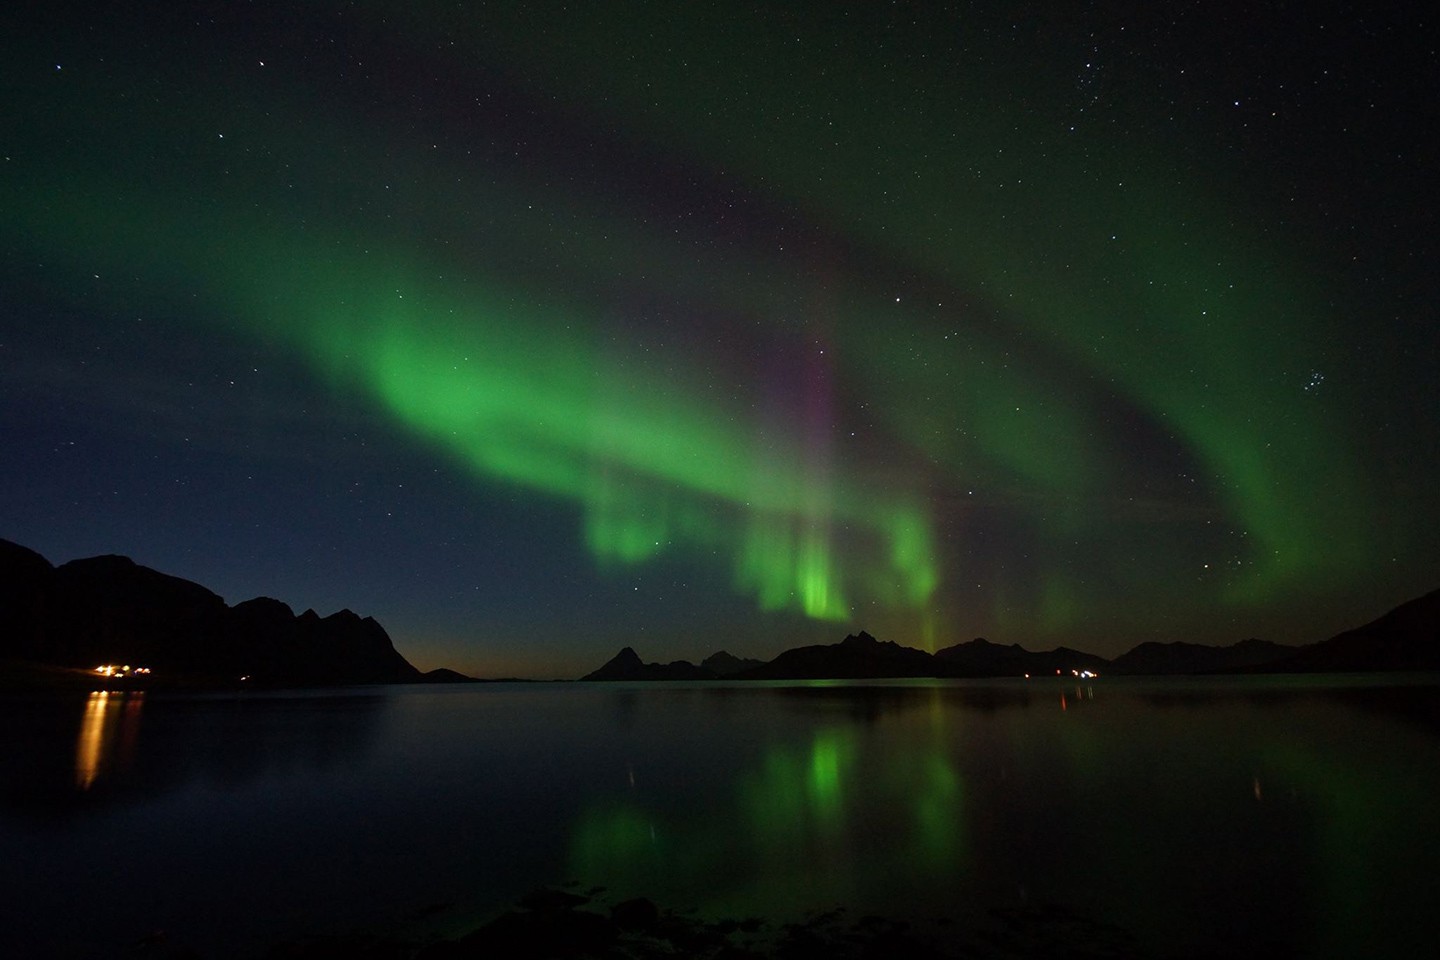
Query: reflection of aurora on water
[(797, 830), (960, 799), (1293, 807)]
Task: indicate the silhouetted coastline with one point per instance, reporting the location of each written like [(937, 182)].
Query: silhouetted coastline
[(109, 621), (1404, 640)]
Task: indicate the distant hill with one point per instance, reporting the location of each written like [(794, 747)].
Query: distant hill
[(724, 664), (1406, 638), (626, 665), (446, 675), (981, 658), (110, 609), (856, 657), (1169, 659)]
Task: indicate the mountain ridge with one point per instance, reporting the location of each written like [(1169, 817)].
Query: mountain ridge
[(108, 609), (1406, 638)]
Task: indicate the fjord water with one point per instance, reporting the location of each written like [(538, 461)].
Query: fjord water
[(1293, 816)]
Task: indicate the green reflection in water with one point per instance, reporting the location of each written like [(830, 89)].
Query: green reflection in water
[(621, 839), (827, 757), (808, 825), (938, 806), (1356, 799)]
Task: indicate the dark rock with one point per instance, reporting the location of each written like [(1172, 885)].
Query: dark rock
[(538, 935), (636, 914), (547, 899), (354, 947)]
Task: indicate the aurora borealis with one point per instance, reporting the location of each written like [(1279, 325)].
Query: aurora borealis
[(535, 329)]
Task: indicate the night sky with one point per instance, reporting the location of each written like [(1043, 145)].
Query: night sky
[(534, 329)]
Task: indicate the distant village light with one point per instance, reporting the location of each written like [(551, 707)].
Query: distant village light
[(120, 670)]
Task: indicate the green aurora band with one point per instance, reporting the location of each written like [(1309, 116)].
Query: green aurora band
[(1014, 388), (1186, 317), (519, 397)]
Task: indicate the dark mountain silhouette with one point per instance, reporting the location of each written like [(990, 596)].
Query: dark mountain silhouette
[(110, 609), (626, 665), (856, 657), (1406, 638), (724, 664), (981, 658), (1166, 659), (446, 675), (25, 579)]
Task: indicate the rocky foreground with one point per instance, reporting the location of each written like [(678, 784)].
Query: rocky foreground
[(551, 924)]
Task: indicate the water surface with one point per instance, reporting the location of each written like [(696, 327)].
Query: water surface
[(1297, 815)]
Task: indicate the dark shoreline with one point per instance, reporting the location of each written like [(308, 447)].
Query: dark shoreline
[(22, 676)]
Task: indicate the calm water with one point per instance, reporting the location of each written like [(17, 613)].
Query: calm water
[(1298, 815)]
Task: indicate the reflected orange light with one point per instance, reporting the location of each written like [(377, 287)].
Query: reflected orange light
[(95, 750), (91, 746)]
